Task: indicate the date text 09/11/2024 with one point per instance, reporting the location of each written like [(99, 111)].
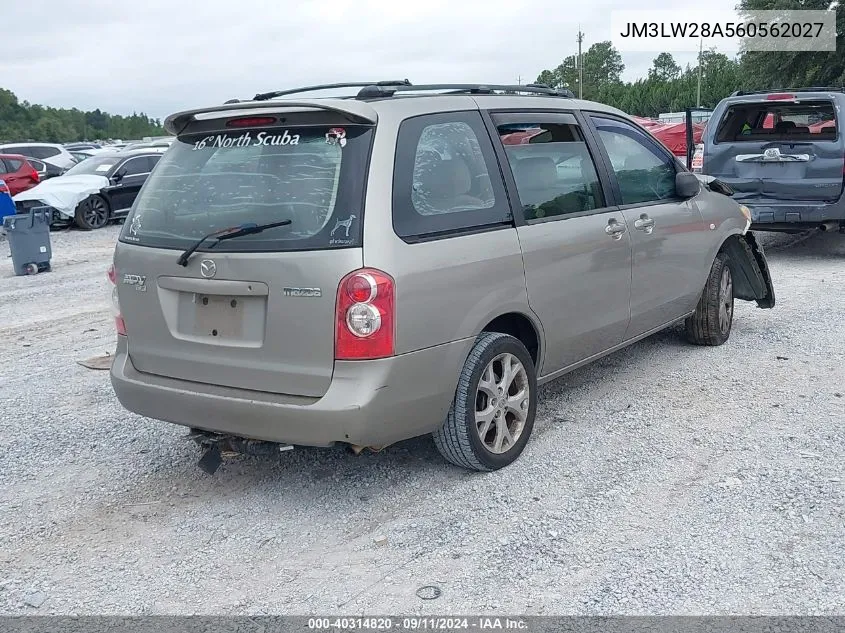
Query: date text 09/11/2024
[(416, 624)]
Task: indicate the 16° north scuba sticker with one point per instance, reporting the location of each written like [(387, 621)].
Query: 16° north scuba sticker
[(247, 140)]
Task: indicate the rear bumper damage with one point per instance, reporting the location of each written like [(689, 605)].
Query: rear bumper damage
[(369, 403), (769, 215), (751, 277)]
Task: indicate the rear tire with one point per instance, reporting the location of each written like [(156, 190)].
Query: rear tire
[(712, 320), (92, 213), (492, 415)]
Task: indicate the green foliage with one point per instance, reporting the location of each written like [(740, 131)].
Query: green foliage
[(667, 88), (782, 69), (664, 68), (602, 65), (22, 121)]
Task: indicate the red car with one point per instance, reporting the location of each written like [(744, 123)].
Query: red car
[(18, 174)]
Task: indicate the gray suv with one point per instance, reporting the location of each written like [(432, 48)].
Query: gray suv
[(412, 260), (783, 155)]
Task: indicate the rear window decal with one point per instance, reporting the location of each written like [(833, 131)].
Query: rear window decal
[(247, 140), (344, 224), (136, 224), (336, 136)]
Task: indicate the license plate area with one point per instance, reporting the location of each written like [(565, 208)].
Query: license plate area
[(219, 319)]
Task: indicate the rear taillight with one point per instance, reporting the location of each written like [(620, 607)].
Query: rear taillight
[(119, 323), (33, 175), (780, 96), (365, 317)]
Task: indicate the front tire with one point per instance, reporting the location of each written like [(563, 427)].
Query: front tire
[(92, 213), (492, 415), (712, 320)]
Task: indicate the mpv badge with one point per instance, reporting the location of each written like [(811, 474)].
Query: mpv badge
[(139, 281), (208, 268)]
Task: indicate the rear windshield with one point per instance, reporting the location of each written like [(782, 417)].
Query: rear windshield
[(778, 121), (311, 175)]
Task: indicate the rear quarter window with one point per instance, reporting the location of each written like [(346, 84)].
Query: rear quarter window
[(446, 179), (778, 121), (312, 175)]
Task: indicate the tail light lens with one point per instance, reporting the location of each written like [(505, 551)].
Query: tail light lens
[(365, 316), (33, 175), (119, 323)]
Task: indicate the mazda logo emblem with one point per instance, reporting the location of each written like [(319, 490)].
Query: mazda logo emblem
[(208, 268)]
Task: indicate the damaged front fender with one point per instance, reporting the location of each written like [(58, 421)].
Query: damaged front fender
[(750, 270)]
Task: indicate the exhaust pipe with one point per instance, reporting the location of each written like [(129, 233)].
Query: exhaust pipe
[(216, 445), (830, 225)]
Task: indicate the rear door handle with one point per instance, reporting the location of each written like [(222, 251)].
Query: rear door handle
[(614, 229), (645, 223)]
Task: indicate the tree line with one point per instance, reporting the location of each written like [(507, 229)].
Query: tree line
[(23, 121), (670, 88)]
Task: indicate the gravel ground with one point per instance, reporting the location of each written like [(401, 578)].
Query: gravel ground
[(664, 479)]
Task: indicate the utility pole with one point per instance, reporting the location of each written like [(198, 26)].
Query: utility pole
[(700, 52), (519, 80), (580, 63)]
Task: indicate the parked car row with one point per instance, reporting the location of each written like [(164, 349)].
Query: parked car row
[(96, 191), (87, 184)]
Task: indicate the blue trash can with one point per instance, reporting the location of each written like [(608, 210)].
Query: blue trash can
[(7, 205), (29, 240)]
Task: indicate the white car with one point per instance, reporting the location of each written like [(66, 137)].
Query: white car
[(51, 153)]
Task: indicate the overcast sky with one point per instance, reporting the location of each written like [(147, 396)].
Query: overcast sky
[(159, 56)]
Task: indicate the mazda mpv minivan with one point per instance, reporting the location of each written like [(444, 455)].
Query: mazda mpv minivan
[(411, 260)]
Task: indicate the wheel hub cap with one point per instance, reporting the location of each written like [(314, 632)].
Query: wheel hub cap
[(726, 301), (502, 403)]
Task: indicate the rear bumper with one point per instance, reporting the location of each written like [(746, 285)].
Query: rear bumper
[(369, 403), (765, 212)]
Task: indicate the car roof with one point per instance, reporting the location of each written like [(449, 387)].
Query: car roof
[(28, 144), (401, 105), (801, 94), (144, 151)]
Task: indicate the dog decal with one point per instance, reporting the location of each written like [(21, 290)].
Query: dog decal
[(346, 224)]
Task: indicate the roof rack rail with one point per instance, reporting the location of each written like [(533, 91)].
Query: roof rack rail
[(741, 93), (264, 96), (375, 91)]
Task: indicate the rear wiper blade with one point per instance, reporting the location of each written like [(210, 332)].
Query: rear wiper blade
[(227, 234)]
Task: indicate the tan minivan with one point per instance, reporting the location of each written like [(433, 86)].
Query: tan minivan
[(409, 260)]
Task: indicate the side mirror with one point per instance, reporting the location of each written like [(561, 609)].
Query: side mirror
[(118, 176), (687, 184)]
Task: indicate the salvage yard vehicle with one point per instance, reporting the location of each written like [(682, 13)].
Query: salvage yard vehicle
[(18, 173), (51, 153), (98, 190), (411, 260), (783, 154)]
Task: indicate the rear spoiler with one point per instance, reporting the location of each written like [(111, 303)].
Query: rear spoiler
[(354, 111)]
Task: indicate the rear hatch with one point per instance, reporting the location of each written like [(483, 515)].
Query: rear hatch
[(257, 311), (780, 147)]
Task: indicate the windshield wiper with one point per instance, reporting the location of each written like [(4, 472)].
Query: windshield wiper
[(227, 234)]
